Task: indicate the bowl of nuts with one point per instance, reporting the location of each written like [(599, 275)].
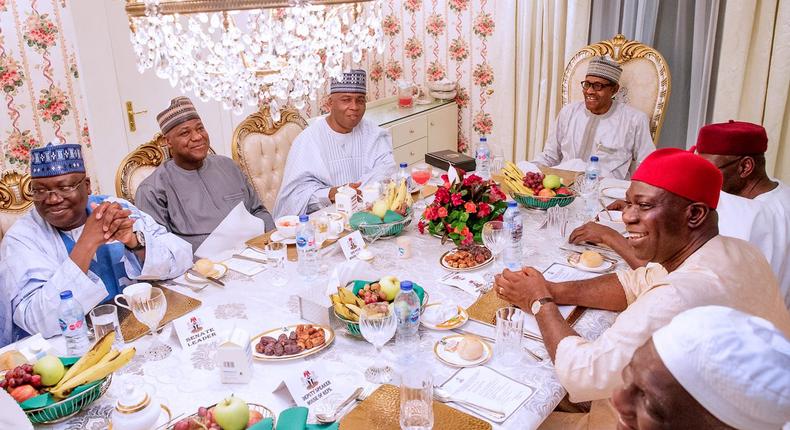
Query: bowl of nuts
[(466, 258)]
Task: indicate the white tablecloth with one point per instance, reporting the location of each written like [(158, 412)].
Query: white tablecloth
[(185, 380)]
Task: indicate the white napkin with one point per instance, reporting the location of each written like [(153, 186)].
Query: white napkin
[(574, 164), (247, 267), (527, 167), (229, 236), (452, 175), (439, 314), (348, 271), (469, 282)]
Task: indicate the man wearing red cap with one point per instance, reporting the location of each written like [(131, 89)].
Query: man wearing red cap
[(753, 206), (671, 220)]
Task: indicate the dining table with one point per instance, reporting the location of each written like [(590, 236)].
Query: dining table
[(185, 379)]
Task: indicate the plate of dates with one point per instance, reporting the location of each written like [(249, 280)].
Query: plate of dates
[(291, 342)]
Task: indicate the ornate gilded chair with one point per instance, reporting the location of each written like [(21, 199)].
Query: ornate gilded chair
[(15, 199), (645, 83), (260, 146), (138, 165)]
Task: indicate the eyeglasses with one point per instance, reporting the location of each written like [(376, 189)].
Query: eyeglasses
[(39, 195), (729, 163), (597, 86)]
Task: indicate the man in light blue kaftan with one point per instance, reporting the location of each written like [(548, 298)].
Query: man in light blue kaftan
[(92, 245)]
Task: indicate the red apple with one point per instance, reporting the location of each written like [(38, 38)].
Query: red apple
[(255, 416), (23, 392), (563, 190)]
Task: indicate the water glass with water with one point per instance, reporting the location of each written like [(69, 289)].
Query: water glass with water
[(104, 319), (416, 399), (557, 217), (276, 254), (509, 332)]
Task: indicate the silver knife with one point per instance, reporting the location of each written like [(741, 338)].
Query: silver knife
[(576, 251), (213, 280), (256, 260)]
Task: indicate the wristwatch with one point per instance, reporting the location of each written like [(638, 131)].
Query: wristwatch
[(140, 241), (537, 304)]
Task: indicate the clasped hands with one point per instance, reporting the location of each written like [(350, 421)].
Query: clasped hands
[(333, 190), (107, 222), (522, 287)]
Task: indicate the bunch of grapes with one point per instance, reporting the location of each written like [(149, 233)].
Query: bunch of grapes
[(205, 420), (534, 181), (20, 375)]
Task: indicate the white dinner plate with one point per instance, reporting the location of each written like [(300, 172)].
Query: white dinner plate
[(465, 269), (219, 267), (446, 323), (329, 336), (451, 358), (278, 237), (617, 193), (573, 260)]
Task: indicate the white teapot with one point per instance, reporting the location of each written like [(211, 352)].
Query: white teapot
[(134, 410)]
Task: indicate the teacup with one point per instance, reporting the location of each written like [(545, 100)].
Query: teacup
[(329, 228), (140, 289)]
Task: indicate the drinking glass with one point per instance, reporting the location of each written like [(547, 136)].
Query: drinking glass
[(150, 311), (557, 218), (533, 221), (378, 331), (509, 331), (497, 158), (421, 173), (104, 319), (416, 400), (495, 239), (276, 254)]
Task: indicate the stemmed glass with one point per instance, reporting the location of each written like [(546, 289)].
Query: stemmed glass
[(421, 173), (495, 239), (378, 330), (150, 311), (276, 254)]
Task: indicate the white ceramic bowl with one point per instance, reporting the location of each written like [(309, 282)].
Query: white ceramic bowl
[(443, 95), (287, 225), (443, 85)]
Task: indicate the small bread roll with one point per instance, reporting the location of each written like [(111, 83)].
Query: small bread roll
[(204, 266), (470, 348), (591, 259)]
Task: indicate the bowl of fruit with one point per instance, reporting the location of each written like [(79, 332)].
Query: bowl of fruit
[(360, 296), (56, 388), (535, 190), (232, 413), (387, 217)]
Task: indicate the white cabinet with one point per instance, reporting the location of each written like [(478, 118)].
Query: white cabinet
[(417, 130)]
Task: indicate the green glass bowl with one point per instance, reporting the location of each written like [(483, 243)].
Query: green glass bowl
[(534, 202), (69, 406), (352, 327)]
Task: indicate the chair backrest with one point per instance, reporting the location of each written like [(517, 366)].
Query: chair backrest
[(645, 83), (138, 165), (15, 199), (260, 146)]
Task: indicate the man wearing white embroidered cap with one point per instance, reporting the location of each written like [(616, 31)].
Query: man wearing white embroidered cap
[(731, 371)]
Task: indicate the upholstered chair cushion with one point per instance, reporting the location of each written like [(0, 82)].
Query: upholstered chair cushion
[(138, 175), (263, 160), (7, 219)]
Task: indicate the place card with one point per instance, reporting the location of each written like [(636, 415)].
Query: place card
[(484, 386), (194, 329), (352, 244), (307, 385)]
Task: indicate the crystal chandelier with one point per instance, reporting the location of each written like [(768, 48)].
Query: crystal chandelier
[(252, 51)]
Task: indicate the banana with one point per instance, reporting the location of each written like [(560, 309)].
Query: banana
[(335, 298), (354, 308), (343, 311), (99, 350), (399, 198), (109, 356), (391, 192), (94, 373)]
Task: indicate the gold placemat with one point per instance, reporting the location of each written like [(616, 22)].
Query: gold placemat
[(427, 191), (381, 411), (484, 309), (292, 255), (178, 305)]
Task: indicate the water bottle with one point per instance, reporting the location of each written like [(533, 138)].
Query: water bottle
[(307, 248), (407, 310), (71, 318), (592, 177), (514, 226), (483, 159), (403, 174)]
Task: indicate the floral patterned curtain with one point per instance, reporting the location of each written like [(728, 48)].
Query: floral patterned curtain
[(39, 78)]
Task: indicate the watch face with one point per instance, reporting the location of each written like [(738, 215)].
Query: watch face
[(535, 306)]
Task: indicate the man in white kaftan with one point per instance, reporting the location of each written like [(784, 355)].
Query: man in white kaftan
[(343, 148), (616, 133), (91, 245)]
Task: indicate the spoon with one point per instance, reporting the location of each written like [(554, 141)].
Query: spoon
[(444, 396), (330, 418)]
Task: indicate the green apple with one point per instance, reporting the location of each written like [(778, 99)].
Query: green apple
[(390, 286), (232, 413), (379, 208), (50, 369), (551, 182)]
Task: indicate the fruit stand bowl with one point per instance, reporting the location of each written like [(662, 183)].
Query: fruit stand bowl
[(386, 230), (352, 327), (263, 410), (69, 406), (543, 203)]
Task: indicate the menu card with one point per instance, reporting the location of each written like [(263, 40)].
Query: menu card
[(486, 387)]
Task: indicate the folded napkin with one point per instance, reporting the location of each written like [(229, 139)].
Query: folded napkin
[(247, 267), (348, 271), (292, 419), (574, 164), (527, 167)]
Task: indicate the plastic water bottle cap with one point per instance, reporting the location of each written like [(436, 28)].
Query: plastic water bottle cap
[(406, 286), (594, 158), (483, 139), (304, 218), (402, 165), (512, 204), (65, 295)]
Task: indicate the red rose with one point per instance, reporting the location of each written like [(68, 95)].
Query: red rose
[(457, 199), (470, 208), (465, 231), (472, 180), (442, 196), (442, 212), (483, 210), (430, 213), (496, 194), (421, 226), (468, 240)]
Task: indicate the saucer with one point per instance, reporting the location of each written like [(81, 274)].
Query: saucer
[(452, 358), (220, 268), (606, 266), (278, 237)]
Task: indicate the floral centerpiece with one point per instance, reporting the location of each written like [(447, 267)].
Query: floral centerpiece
[(459, 209)]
